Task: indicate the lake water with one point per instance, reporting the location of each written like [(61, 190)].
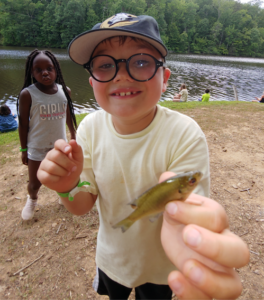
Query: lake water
[(198, 72)]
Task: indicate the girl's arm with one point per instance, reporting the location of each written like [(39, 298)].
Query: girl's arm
[(24, 113), (69, 120)]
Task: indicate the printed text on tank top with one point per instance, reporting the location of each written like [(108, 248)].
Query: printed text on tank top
[(52, 111)]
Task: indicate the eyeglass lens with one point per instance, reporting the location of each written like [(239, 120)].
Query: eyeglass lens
[(140, 67)]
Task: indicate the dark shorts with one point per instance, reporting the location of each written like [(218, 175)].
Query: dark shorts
[(104, 285)]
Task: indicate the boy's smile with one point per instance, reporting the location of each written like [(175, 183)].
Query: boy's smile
[(131, 103)]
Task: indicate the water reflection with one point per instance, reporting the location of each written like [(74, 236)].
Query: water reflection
[(219, 74)]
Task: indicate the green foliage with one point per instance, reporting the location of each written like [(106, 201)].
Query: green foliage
[(220, 27)]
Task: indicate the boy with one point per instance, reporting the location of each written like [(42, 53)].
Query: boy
[(126, 148), (206, 96)]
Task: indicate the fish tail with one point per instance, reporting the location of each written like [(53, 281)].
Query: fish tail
[(124, 224)]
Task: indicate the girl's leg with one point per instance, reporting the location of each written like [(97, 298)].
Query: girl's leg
[(34, 184), (33, 188)]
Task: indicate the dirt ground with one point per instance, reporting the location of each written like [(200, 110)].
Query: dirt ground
[(64, 245)]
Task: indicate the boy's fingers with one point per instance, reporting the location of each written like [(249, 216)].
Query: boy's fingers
[(46, 178), (166, 175), (55, 160), (198, 210), (214, 284), (62, 146), (226, 248), (183, 289), (58, 168)]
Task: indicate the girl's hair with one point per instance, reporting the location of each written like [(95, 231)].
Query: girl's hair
[(207, 91), (29, 79), (5, 110), (183, 86)]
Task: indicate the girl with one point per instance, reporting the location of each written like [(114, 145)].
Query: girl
[(182, 96), (44, 107), (7, 119)]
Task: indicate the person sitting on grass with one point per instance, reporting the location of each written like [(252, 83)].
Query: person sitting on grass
[(182, 96), (7, 119), (124, 149), (260, 100), (206, 96)]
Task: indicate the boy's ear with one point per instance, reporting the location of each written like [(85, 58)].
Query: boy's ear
[(166, 76), (91, 81)]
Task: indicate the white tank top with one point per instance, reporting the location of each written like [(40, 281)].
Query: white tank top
[(47, 118)]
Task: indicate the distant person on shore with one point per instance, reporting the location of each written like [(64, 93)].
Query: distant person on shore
[(182, 96), (7, 119), (44, 107), (260, 100), (206, 96)]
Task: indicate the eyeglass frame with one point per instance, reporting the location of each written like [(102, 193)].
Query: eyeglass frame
[(158, 64)]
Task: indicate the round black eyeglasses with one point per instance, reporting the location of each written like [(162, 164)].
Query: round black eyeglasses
[(140, 67)]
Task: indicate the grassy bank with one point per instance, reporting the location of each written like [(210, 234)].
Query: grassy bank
[(10, 140)]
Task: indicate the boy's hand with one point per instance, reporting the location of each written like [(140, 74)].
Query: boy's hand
[(62, 166), (196, 239)]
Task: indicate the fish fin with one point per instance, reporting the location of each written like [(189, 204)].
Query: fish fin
[(124, 224), (155, 217), (133, 205)]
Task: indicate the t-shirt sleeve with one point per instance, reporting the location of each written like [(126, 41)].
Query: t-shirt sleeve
[(193, 156), (83, 139)]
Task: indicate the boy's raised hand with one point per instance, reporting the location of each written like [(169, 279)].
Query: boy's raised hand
[(62, 166), (196, 238)]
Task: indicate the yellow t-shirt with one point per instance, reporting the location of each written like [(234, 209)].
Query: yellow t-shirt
[(205, 97), (120, 168)]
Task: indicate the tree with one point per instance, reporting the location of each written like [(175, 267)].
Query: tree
[(72, 24), (174, 37)]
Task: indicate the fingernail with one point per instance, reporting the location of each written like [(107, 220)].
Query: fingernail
[(74, 169), (195, 274), (192, 237), (171, 208), (176, 287), (67, 148)]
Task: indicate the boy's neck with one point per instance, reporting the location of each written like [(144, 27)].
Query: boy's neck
[(124, 126)]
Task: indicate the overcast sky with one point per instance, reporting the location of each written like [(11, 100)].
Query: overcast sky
[(245, 1)]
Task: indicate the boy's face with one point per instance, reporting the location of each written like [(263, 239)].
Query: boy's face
[(123, 97)]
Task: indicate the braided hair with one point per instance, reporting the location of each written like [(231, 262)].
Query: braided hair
[(29, 79)]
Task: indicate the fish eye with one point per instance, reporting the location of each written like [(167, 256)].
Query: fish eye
[(192, 181)]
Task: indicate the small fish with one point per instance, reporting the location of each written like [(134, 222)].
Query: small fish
[(153, 201)]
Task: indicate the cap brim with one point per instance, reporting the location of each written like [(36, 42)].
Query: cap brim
[(82, 47)]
